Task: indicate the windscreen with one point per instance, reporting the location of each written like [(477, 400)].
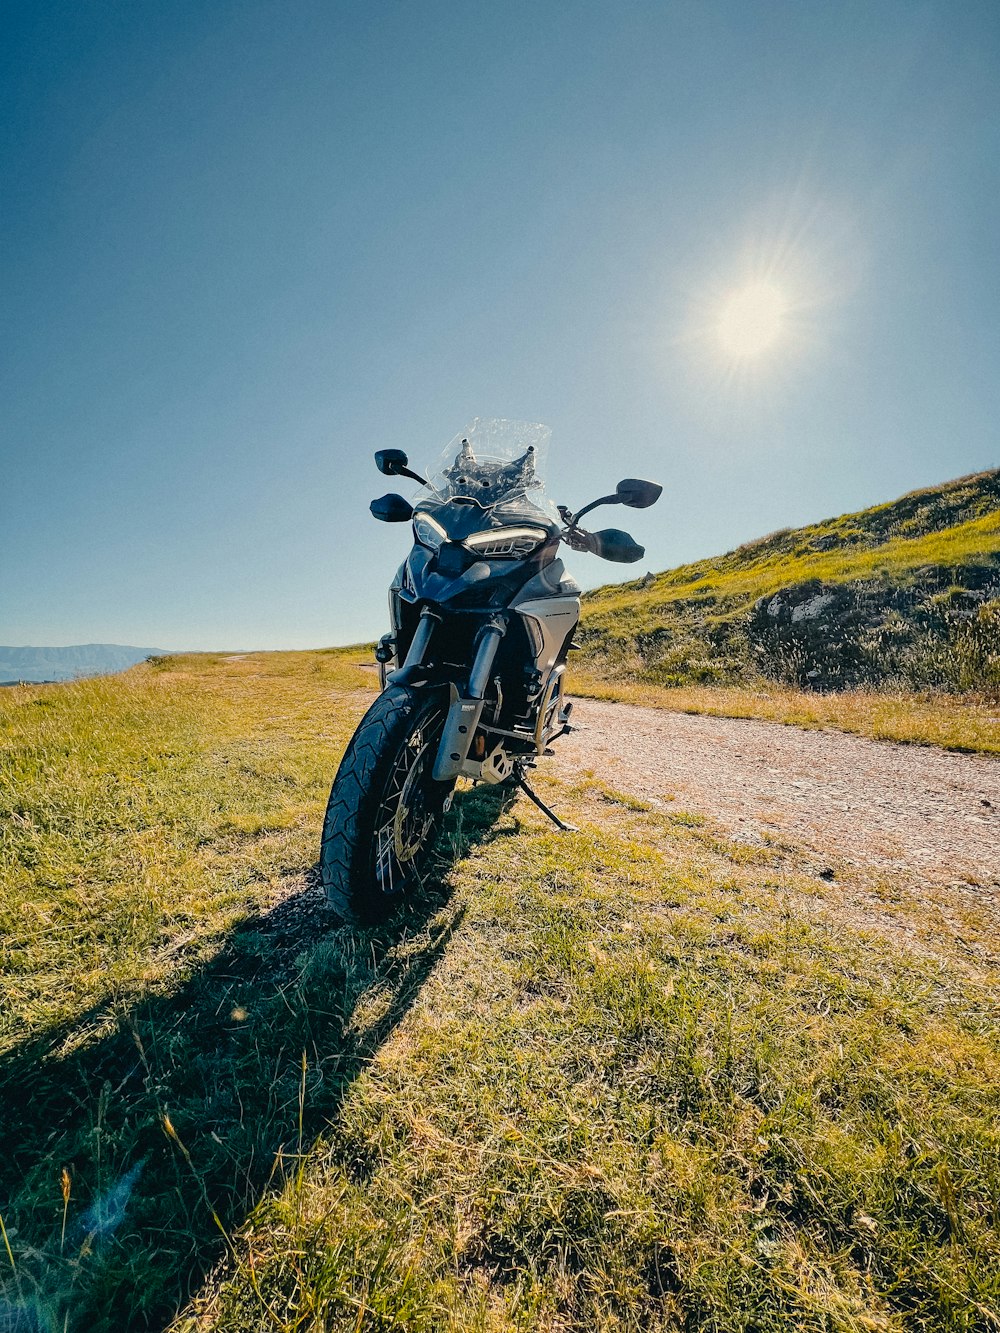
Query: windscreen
[(498, 465)]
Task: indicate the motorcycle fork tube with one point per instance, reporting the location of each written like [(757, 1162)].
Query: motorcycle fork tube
[(486, 645), (418, 647), (465, 712)]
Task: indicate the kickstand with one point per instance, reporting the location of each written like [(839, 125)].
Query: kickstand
[(523, 784)]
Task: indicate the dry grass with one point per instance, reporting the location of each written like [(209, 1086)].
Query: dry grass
[(633, 1078), (657, 1081), (954, 722)]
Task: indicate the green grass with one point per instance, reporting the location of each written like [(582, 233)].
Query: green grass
[(656, 1081), (911, 596), (151, 826), (145, 813), (635, 1078), (764, 569)]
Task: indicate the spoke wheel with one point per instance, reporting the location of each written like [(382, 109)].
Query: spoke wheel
[(385, 809), (410, 809)]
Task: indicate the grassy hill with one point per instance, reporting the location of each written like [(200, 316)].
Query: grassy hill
[(641, 1077), (904, 595)]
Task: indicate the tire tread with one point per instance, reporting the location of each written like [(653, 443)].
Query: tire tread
[(348, 826)]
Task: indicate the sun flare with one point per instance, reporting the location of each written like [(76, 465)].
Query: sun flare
[(752, 320), (763, 308)]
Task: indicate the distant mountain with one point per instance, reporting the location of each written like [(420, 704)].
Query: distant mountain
[(80, 659)]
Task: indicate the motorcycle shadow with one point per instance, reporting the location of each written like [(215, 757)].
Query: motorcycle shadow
[(168, 1116), (473, 822)]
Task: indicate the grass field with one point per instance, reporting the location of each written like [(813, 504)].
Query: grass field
[(634, 1078)]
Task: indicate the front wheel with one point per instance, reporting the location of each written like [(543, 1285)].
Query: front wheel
[(385, 809)]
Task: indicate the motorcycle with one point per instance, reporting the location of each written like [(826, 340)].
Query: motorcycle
[(472, 671)]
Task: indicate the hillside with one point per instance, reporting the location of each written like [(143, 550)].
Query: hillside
[(903, 595), (79, 659), (645, 1076)]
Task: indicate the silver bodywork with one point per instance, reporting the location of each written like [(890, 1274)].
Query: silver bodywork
[(548, 621)]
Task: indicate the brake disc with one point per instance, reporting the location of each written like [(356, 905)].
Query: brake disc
[(407, 841)]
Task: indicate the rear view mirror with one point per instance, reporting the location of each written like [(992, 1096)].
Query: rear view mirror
[(391, 508), (632, 492), (394, 463), (638, 494), (391, 462), (613, 544)]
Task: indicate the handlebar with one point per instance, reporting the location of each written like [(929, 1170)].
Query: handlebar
[(608, 544), (578, 539)]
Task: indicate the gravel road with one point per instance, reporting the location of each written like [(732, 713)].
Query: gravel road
[(873, 804)]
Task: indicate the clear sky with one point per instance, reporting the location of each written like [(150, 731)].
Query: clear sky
[(747, 249)]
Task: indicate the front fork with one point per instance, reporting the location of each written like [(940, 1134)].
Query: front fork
[(464, 712), (413, 667)]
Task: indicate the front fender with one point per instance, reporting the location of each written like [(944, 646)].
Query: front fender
[(459, 728)]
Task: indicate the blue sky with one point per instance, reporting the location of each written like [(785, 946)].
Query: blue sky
[(243, 245)]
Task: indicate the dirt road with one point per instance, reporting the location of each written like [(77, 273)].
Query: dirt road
[(869, 803)]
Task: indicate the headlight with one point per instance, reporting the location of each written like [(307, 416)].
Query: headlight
[(427, 531), (506, 543)]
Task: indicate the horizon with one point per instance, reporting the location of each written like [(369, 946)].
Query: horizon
[(747, 251), (363, 643)]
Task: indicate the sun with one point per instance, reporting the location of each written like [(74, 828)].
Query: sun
[(757, 315), (753, 318)]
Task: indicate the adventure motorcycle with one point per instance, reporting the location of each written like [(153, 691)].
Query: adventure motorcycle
[(482, 618)]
